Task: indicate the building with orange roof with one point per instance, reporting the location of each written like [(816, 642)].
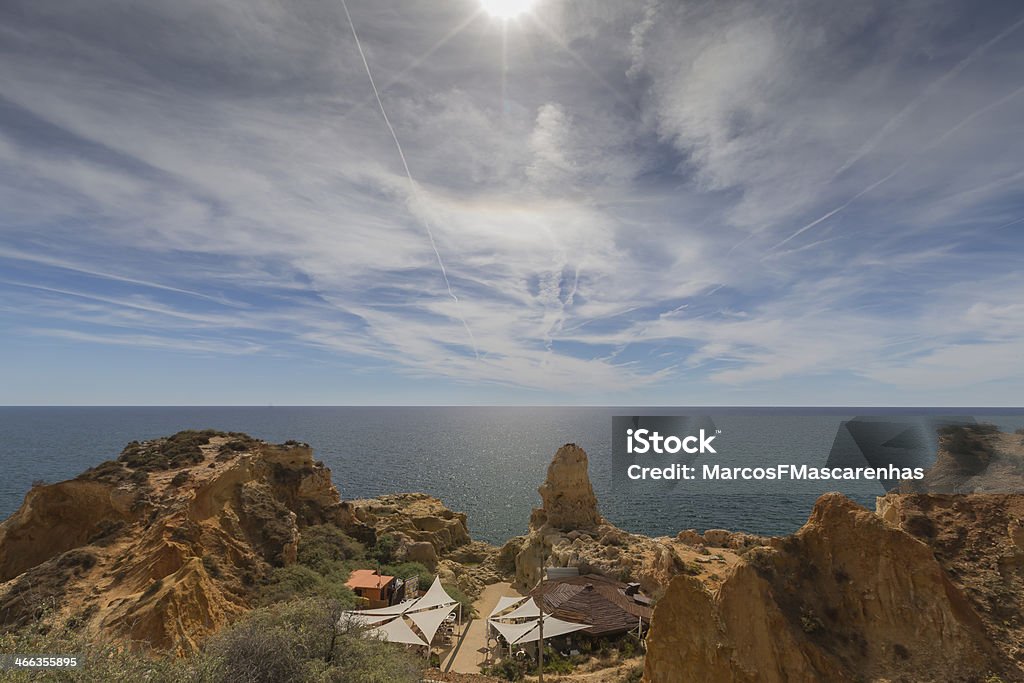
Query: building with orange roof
[(374, 589)]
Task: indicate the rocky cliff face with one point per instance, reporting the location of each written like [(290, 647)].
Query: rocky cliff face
[(568, 531), (849, 597), (165, 544), (426, 531), (979, 542)]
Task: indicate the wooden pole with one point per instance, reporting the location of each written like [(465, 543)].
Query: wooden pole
[(540, 629)]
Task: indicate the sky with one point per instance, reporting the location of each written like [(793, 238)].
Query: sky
[(595, 202)]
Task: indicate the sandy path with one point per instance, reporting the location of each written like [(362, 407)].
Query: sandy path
[(471, 650)]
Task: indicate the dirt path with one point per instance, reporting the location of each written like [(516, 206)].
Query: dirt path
[(471, 649)]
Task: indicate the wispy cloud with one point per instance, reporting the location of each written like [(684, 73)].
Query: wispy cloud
[(678, 202)]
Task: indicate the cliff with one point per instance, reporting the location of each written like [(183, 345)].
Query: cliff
[(846, 598), (569, 531), (426, 531), (165, 544), (926, 589)]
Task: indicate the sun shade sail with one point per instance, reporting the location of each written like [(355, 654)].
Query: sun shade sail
[(396, 631), (429, 621), (390, 611), (510, 632), (552, 627), (527, 610), (504, 603), (365, 619), (434, 597)]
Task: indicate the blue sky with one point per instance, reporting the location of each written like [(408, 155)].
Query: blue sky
[(688, 203)]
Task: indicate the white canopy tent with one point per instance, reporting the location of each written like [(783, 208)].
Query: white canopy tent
[(553, 627), (434, 597), (512, 632), (389, 611), (428, 621), (427, 612), (523, 624), (396, 631), (365, 619), (527, 610), (504, 603)]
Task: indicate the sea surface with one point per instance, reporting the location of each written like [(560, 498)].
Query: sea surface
[(484, 461)]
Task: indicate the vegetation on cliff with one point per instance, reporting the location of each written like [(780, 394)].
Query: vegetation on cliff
[(298, 640)]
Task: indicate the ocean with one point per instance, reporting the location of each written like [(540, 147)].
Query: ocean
[(484, 461)]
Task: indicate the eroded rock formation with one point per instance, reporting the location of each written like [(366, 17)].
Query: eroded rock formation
[(426, 531), (569, 531), (163, 545), (847, 598)]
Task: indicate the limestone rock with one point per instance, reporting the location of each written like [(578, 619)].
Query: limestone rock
[(414, 518), (421, 551), (846, 598), (690, 537), (567, 531), (568, 500), (717, 538), (978, 540), (163, 555)]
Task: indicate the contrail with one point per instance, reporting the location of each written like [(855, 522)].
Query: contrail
[(408, 174), (925, 94), (927, 148)]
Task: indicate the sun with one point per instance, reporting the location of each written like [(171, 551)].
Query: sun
[(506, 9)]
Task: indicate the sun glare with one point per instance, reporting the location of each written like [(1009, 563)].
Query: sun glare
[(506, 9)]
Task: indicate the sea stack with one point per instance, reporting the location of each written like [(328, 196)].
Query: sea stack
[(567, 498)]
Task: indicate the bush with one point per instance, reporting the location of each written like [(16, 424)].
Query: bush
[(178, 450), (509, 669), (299, 581), (462, 599), (324, 546), (100, 658), (299, 641), (302, 641), (968, 439), (407, 570), (384, 550)]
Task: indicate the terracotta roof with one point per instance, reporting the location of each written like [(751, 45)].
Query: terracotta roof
[(368, 578), (592, 599)]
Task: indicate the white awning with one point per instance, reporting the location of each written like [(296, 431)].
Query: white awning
[(429, 620), (553, 627), (527, 610), (396, 631), (434, 597), (512, 631), (504, 603)]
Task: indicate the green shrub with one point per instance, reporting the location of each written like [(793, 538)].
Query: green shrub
[(462, 599), (508, 669), (100, 659), (303, 641), (384, 550), (299, 581), (407, 570), (178, 450), (324, 546)]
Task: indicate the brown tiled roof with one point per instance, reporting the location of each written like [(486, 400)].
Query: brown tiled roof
[(592, 599)]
